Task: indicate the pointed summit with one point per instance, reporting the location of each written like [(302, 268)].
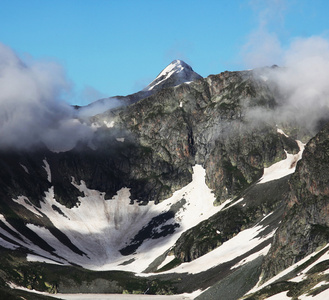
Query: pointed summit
[(177, 72)]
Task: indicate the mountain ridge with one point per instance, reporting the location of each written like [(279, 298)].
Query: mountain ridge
[(179, 73), (169, 188)]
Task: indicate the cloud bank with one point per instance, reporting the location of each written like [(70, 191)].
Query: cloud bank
[(301, 85), (31, 110), (301, 82)]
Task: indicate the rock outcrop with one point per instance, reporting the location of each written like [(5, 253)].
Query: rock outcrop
[(305, 227)]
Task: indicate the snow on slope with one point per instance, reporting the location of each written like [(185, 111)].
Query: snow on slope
[(100, 227), (175, 67), (321, 296), (280, 296), (283, 167), (299, 277), (228, 251)]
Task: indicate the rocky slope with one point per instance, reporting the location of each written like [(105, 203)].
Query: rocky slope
[(308, 199)]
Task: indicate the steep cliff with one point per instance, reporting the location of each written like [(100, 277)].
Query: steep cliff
[(305, 227)]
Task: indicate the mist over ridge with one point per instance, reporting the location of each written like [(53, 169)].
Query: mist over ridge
[(300, 85)]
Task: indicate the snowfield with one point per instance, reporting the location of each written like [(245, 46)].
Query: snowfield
[(100, 228), (283, 167)]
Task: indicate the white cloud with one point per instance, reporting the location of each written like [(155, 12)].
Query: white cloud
[(31, 111)]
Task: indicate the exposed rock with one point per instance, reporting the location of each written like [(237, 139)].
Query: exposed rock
[(305, 227)]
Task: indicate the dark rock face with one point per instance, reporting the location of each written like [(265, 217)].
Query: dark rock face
[(203, 122), (305, 227)]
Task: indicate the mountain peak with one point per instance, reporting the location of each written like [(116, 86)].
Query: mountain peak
[(177, 72), (175, 66)]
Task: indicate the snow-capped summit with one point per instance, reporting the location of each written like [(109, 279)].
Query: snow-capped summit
[(177, 72)]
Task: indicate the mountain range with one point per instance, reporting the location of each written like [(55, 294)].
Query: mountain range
[(193, 186)]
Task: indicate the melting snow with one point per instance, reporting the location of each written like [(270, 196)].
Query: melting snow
[(25, 168), (302, 275), (22, 200), (174, 67), (280, 296), (322, 296), (109, 124), (47, 168), (36, 258), (167, 260), (290, 269), (283, 167), (94, 218), (282, 132), (226, 252), (253, 256)]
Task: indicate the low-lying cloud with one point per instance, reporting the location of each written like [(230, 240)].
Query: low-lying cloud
[(31, 110), (302, 80), (301, 85)]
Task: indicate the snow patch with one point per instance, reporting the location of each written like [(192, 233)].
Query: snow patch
[(302, 275), (240, 200), (175, 67), (23, 241), (109, 124), (5, 244), (286, 271), (120, 139), (37, 258), (47, 168), (95, 125), (24, 201), (60, 249), (283, 167), (280, 296), (253, 256), (322, 296), (167, 260), (226, 252), (25, 168), (281, 132)]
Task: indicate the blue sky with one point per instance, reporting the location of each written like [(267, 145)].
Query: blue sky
[(114, 47)]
